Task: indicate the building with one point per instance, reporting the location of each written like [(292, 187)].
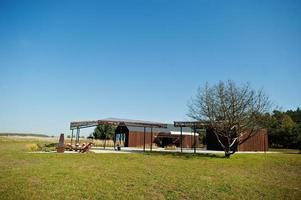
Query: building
[(254, 142), (146, 134), (138, 133), (162, 137)]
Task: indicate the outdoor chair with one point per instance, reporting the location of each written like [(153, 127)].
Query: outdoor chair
[(85, 148)]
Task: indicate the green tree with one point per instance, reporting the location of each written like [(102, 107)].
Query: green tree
[(297, 134), (284, 129), (104, 132), (90, 136), (295, 115)]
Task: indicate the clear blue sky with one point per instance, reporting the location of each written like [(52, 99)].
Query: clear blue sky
[(79, 60)]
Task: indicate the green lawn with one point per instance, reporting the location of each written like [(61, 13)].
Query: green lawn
[(145, 176)]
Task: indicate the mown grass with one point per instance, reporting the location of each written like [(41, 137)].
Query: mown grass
[(145, 176)]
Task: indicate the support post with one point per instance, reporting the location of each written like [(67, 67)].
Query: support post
[(115, 140), (151, 145), (194, 145), (144, 140), (191, 140), (72, 136), (263, 146), (77, 135), (181, 139)]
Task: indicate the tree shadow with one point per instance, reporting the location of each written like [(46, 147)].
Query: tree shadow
[(296, 153), (185, 155)]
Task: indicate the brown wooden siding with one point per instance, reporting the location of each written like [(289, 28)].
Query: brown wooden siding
[(257, 142), (136, 139)]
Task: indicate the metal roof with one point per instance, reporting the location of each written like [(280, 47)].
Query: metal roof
[(117, 121), (196, 124), (169, 127)]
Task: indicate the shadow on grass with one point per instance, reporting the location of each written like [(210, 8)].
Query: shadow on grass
[(285, 151), (184, 155), (292, 153)]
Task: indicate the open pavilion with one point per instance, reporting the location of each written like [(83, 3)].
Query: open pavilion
[(121, 125)]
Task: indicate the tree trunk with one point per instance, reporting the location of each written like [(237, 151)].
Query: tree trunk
[(228, 147), (227, 152), (104, 146)]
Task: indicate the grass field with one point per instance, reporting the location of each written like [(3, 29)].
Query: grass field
[(145, 176)]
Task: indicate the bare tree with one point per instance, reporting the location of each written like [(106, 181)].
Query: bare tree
[(230, 111)]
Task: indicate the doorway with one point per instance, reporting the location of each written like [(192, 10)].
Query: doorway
[(121, 137)]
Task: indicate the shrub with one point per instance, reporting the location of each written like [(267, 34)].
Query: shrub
[(147, 146), (48, 147), (170, 147), (32, 147)]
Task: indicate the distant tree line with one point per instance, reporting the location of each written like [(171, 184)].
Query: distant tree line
[(284, 128), (24, 134)]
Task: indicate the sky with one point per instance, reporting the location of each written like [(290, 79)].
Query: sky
[(63, 61)]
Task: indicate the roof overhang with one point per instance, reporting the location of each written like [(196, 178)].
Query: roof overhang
[(191, 124), (117, 122)]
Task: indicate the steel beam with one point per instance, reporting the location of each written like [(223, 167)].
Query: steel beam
[(198, 124)]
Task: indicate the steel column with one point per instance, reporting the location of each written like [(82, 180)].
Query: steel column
[(144, 140), (194, 145), (191, 139), (115, 140), (151, 145), (181, 139), (71, 136), (77, 135)]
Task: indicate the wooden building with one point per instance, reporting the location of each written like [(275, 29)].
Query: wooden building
[(162, 137), (255, 142), (138, 133)]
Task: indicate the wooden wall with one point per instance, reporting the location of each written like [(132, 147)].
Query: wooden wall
[(257, 142), (136, 139), (188, 141)]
